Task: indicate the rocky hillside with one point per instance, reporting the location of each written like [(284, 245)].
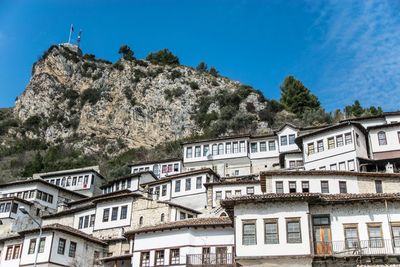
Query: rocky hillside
[(99, 106)]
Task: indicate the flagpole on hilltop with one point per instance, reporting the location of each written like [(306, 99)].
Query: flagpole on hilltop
[(71, 30)]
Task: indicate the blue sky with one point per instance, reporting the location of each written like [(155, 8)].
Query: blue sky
[(341, 50)]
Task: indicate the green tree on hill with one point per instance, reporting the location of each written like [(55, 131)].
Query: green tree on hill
[(297, 98), (126, 52), (163, 57)]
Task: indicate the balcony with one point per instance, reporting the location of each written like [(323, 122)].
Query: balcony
[(210, 260), (354, 248)]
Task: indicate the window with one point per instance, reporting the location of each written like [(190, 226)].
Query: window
[(271, 145), (292, 164), (198, 182), (106, 215), (176, 167), (162, 217), (189, 152), (9, 253), (220, 149), (144, 259), (61, 246), (50, 198), (123, 184), (263, 146), (164, 168), (357, 139), (271, 231), (215, 149), (242, 147), (347, 138), (320, 145), (292, 187), (351, 236), (305, 186), (339, 140), (182, 215), (206, 148), (32, 246), (311, 149), (164, 190), (205, 255), (14, 208), (228, 148), (322, 168), (333, 167), (39, 194), (114, 214), (26, 193), (342, 187), (141, 220), (8, 207), (331, 143), (382, 138), (218, 195), (86, 222), (279, 187), (197, 151), (283, 140), (174, 256), (342, 166), (41, 244), (159, 257), (128, 183), (324, 187), (235, 147), (238, 192), (124, 212), (291, 139), (293, 231), (249, 233), (375, 236), (228, 193), (31, 193), (351, 165), (253, 147), (177, 185), (188, 184), (92, 218), (80, 224), (72, 249), (250, 190), (396, 234), (17, 251)]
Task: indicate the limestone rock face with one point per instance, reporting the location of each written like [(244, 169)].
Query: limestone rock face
[(97, 105)]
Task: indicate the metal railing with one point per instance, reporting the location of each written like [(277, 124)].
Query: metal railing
[(372, 247), (212, 259)]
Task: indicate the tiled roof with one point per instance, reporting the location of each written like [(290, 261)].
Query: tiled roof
[(394, 124), (314, 198), (182, 174), (16, 199), (197, 222), (69, 211), (116, 257), (217, 139), (179, 206), (91, 199), (373, 116), (72, 171), (67, 230), (225, 182)]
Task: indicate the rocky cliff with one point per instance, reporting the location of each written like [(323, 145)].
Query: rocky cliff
[(100, 106)]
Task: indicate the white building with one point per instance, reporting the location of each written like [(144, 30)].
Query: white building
[(186, 189), (160, 168), (306, 229), (86, 181), (336, 147), (193, 242), (132, 182), (59, 245)]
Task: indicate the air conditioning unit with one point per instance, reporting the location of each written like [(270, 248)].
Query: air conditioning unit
[(389, 168)]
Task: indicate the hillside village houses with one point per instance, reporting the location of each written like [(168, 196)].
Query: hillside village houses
[(317, 196)]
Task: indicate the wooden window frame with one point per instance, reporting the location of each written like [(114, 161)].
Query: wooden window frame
[(290, 220), (347, 226), (270, 221), (249, 222), (375, 224)]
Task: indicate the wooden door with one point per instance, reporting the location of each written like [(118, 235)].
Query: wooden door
[(322, 240)]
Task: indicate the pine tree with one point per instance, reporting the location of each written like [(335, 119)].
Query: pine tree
[(126, 52), (202, 67)]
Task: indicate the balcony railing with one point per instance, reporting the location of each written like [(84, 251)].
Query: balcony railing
[(373, 247), (205, 260)]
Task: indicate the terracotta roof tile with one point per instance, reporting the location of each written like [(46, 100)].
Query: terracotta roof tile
[(197, 222)]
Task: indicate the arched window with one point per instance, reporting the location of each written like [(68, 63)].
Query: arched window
[(220, 149), (162, 217), (223, 214), (214, 149), (141, 220), (63, 181), (156, 169), (382, 138)]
